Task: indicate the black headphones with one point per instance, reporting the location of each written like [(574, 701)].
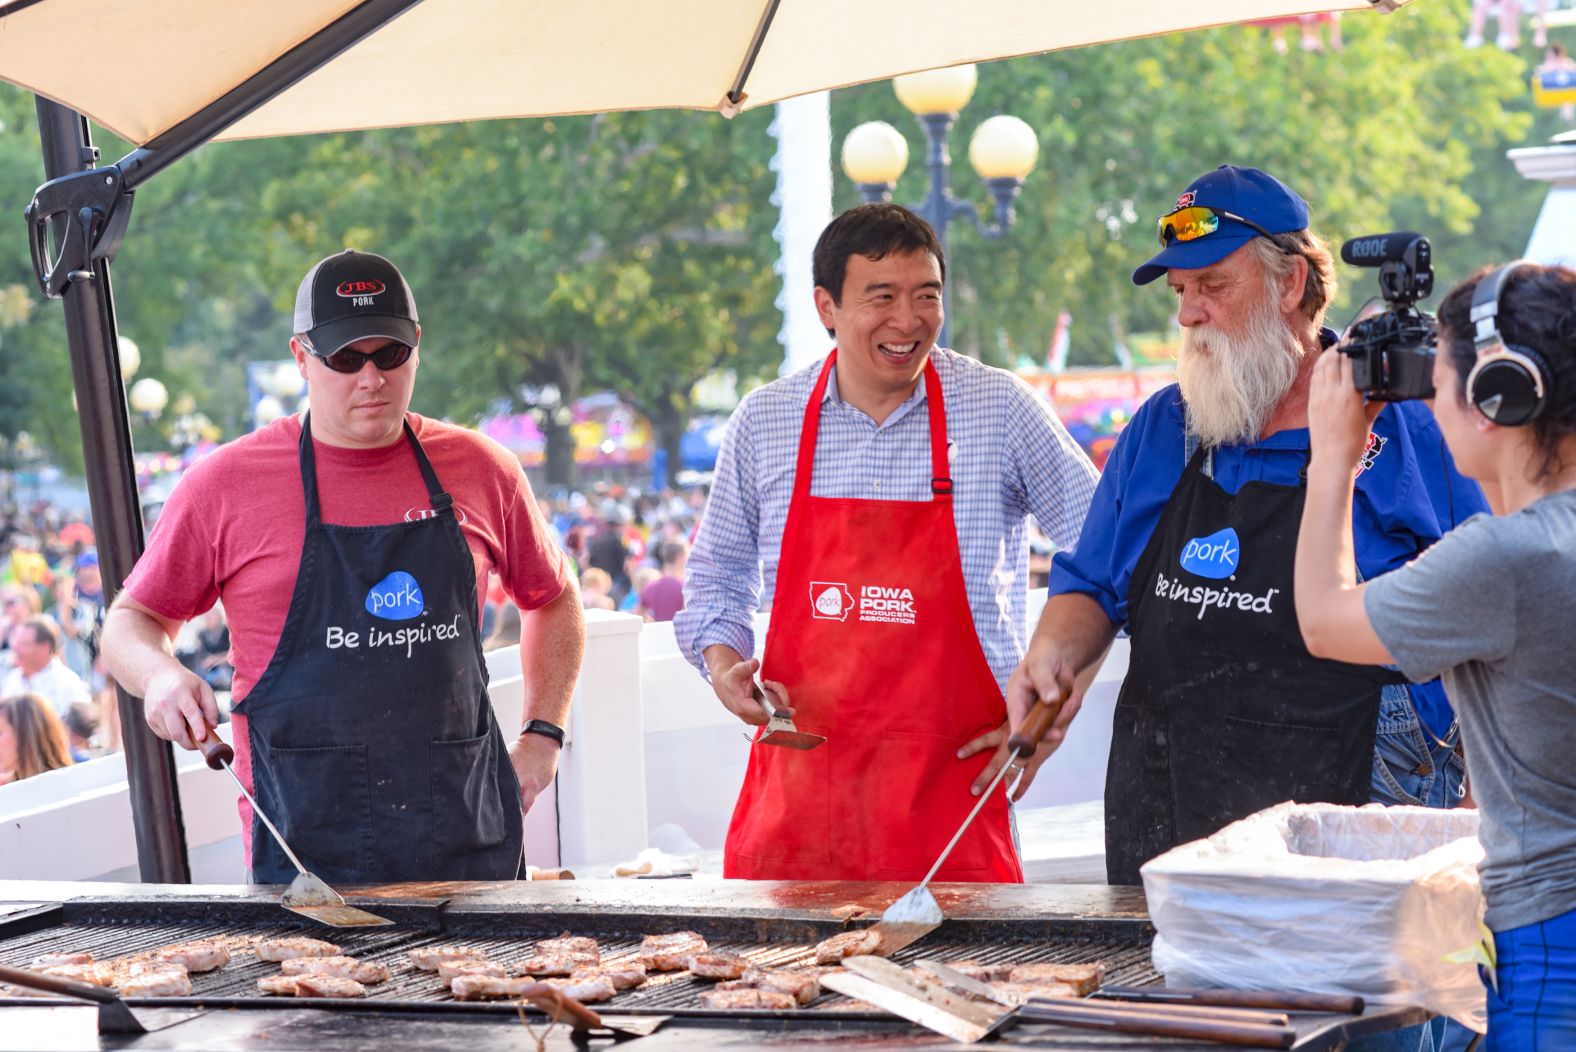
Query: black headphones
[(1509, 384)]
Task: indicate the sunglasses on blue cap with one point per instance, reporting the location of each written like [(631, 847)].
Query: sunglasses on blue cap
[(1196, 221)]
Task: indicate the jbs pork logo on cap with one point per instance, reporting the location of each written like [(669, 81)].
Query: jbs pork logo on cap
[(1215, 556), (351, 289)]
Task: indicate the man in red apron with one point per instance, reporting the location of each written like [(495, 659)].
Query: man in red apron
[(884, 493), (347, 545)]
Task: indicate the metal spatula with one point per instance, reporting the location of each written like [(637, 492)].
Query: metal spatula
[(114, 1016), (780, 729), (918, 913), (307, 894)]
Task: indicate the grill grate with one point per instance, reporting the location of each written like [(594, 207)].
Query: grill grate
[(1125, 953)]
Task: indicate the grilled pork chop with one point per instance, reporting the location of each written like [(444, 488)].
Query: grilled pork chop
[(580, 947), (201, 956), (802, 984), (717, 966), (732, 999), (1083, 978), (51, 960), (155, 979), (545, 964), (294, 946), (449, 969), (847, 944), (670, 952), (428, 958), (625, 976), (367, 973), (586, 991), (482, 987), (327, 986)]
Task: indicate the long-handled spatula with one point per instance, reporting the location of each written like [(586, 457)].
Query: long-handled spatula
[(780, 729), (918, 913), (307, 894)]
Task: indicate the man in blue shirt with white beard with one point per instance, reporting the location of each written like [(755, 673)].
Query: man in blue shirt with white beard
[(1189, 547)]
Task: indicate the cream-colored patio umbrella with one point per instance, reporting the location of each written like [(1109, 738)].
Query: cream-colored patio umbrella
[(141, 67), (169, 75)]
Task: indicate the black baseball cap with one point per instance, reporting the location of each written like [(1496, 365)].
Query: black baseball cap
[(352, 296)]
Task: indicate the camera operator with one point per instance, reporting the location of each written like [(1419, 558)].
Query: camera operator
[(1189, 546), (1485, 608)]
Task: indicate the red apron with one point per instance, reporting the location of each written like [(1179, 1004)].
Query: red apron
[(872, 635)]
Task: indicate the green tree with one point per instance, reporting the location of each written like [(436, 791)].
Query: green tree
[(1395, 126)]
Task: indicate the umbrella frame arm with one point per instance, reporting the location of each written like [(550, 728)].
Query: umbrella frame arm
[(89, 211)]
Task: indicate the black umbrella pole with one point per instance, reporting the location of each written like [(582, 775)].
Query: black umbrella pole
[(117, 512)]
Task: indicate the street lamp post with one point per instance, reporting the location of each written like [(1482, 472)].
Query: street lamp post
[(1003, 151)]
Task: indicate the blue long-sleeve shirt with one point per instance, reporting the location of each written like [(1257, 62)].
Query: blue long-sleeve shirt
[(1408, 495)]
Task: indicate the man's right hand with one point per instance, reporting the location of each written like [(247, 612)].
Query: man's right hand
[(733, 681), (179, 706), (1045, 673)]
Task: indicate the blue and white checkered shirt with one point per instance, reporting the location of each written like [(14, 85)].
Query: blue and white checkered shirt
[(1010, 457)]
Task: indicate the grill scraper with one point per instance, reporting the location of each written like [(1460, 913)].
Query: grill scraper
[(307, 894), (918, 913)]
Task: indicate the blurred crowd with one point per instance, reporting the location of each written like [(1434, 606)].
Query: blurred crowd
[(53, 707), (57, 705), (627, 547)]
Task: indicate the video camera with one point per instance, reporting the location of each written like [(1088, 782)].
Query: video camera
[(1393, 353)]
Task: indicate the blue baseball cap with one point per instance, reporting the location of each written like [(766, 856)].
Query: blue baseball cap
[(1256, 196)]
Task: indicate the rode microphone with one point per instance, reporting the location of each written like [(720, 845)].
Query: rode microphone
[(1405, 262)]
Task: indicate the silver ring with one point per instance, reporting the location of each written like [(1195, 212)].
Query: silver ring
[(1015, 767)]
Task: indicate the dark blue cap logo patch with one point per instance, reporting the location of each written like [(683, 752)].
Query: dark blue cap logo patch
[(1215, 556), (396, 598)]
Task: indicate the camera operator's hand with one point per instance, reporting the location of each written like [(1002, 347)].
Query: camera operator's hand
[(1338, 417)]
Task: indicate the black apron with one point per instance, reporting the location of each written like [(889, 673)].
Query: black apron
[(1224, 712), (374, 747)]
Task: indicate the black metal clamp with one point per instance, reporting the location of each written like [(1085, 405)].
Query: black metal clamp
[(88, 212)]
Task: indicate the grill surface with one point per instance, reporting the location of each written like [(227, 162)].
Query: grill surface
[(138, 929)]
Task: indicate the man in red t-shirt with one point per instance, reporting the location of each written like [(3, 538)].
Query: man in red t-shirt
[(348, 546)]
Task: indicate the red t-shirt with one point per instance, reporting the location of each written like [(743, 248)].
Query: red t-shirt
[(233, 526)]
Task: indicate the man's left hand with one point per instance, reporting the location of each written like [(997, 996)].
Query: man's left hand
[(535, 760), (997, 739), (1338, 418)]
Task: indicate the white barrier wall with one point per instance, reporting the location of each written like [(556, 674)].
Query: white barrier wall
[(651, 757)]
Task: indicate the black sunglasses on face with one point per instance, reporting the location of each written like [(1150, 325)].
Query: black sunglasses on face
[(345, 360)]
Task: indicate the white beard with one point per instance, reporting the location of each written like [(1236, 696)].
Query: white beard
[(1232, 383)]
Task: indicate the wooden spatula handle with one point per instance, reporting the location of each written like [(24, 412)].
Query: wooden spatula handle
[(216, 751), (57, 985), (1027, 737), (559, 1005)]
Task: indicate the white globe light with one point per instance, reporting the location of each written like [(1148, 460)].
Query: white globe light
[(875, 153), (130, 358), (268, 410), (287, 380), (149, 396), (936, 90), (1003, 147)]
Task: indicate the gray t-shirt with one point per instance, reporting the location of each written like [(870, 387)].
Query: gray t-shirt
[(1492, 608)]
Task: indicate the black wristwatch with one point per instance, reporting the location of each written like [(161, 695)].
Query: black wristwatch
[(545, 729)]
